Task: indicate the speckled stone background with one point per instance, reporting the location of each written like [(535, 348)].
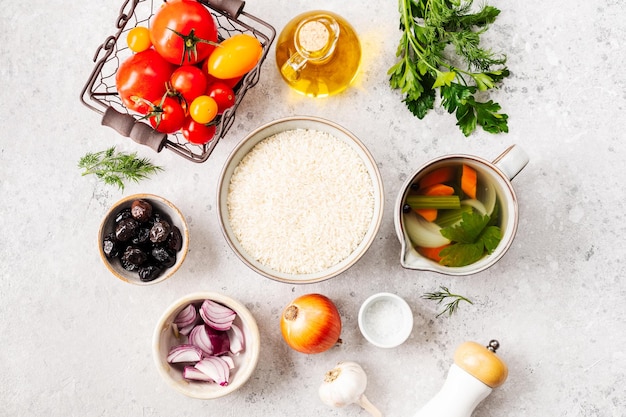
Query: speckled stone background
[(77, 342)]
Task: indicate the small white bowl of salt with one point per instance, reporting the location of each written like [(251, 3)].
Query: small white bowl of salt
[(385, 320)]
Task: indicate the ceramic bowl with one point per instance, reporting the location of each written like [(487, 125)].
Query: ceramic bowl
[(270, 129), (385, 320), (159, 205), (165, 337)]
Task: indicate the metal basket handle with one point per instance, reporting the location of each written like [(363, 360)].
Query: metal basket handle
[(230, 7)]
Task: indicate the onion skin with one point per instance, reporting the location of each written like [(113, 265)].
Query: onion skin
[(311, 324)]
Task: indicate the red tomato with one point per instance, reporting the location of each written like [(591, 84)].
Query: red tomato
[(223, 95), (235, 56), (167, 115), (183, 32), (188, 81), (142, 79), (198, 133)]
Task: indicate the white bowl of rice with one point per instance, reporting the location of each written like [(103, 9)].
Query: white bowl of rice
[(300, 200)]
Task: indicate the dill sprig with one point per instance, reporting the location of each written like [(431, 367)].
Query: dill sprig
[(114, 168), (444, 294)]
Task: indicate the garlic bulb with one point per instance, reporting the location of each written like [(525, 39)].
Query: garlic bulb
[(345, 384)]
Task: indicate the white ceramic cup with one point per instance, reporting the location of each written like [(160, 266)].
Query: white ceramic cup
[(385, 320), (498, 173)]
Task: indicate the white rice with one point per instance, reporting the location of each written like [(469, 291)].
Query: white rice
[(300, 201)]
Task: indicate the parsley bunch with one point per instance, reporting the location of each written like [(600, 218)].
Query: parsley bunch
[(440, 49)]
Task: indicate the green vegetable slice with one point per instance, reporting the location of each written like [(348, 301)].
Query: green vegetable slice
[(474, 237)]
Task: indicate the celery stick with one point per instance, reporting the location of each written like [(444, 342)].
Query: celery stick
[(433, 201), (447, 218)]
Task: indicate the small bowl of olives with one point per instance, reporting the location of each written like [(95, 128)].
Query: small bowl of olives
[(143, 239)]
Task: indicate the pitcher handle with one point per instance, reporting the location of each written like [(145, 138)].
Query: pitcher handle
[(511, 161)]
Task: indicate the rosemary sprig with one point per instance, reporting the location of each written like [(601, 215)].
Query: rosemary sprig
[(114, 168), (445, 293)]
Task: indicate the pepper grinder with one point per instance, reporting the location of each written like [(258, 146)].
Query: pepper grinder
[(476, 371)]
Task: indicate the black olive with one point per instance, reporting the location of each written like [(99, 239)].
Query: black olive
[(406, 208), (126, 229), (127, 265), (142, 236), (123, 214), (149, 272), (135, 256), (161, 255), (110, 246), (175, 240), (141, 210), (160, 231)]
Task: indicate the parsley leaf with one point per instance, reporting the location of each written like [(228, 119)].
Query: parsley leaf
[(473, 237), (421, 105)]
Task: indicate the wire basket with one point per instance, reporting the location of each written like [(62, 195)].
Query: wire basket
[(100, 94)]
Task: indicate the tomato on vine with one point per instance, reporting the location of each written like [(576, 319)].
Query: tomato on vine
[(223, 95), (167, 115), (197, 133), (188, 81), (183, 32), (203, 109), (142, 79)]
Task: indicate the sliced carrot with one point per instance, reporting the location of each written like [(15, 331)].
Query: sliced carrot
[(427, 213), (438, 176), (468, 181), (431, 253), (437, 189)]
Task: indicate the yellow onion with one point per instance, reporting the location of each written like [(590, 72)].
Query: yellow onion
[(311, 324)]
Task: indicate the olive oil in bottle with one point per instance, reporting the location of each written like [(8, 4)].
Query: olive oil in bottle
[(318, 54)]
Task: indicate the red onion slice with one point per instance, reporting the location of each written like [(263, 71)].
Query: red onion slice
[(229, 360), (216, 315), (199, 337), (216, 368), (193, 374), (236, 338), (184, 353), (187, 329), (219, 341), (186, 316)]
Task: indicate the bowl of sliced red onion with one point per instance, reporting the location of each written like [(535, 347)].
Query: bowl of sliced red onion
[(206, 345)]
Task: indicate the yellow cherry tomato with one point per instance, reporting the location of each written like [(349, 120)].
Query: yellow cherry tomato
[(235, 56), (203, 109), (138, 39)]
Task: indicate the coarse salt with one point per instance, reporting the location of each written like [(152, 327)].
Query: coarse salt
[(384, 320)]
